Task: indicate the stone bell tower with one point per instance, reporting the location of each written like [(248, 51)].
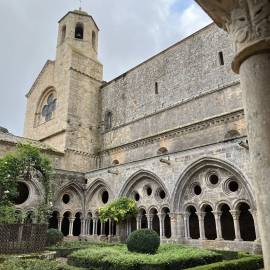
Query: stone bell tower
[(63, 108)]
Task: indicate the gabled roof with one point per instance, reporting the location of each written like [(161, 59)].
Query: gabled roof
[(39, 76), (81, 13)]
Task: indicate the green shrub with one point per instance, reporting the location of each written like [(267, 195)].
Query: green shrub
[(54, 236), (168, 257), (35, 264), (143, 241), (245, 263), (64, 249)]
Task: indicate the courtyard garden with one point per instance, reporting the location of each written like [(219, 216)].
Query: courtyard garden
[(27, 245), (101, 256)]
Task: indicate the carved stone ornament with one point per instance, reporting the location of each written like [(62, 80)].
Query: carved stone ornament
[(247, 21)]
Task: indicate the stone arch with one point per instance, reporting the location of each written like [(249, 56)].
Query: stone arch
[(65, 226), (209, 222), (153, 212), (79, 31), (246, 222), (144, 220), (167, 233), (226, 221), (192, 226), (77, 224), (94, 193), (133, 179), (53, 220), (193, 168)]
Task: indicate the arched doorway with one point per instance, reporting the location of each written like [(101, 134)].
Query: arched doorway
[(98, 227), (227, 225), (167, 222), (246, 222), (65, 223), (193, 223), (77, 225), (144, 224), (155, 220), (133, 224), (53, 220), (209, 223)]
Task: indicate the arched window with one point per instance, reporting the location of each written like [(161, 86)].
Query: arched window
[(79, 31), (49, 107), (63, 33), (108, 120), (93, 39)]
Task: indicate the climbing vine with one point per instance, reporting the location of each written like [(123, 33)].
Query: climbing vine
[(23, 163), (119, 210)]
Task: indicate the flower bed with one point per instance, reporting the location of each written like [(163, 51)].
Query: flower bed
[(168, 257)]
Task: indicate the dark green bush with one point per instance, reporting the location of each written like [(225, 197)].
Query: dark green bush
[(143, 241), (245, 263), (54, 237)]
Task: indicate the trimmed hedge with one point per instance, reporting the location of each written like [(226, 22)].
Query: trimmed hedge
[(19, 264), (54, 236), (169, 257), (143, 241), (66, 248), (245, 263)]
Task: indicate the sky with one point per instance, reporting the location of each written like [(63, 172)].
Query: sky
[(131, 31)]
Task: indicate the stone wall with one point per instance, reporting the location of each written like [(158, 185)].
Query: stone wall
[(183, 71)]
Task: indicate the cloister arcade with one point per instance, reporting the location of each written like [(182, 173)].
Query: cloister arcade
[(212, 201)]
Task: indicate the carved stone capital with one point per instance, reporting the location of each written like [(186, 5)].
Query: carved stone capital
[(247, 21)]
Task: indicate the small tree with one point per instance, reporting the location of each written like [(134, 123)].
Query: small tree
[(20, 164), (119, 210)]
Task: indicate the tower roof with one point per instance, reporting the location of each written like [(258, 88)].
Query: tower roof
[(81, 13)]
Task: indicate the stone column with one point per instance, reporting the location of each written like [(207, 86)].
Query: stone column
[(161, 225), (71, 220), (255, 218), (186, 224), (138, 221), (249, 25), (59, 223), (94, 226), (235, 215), (83, 223), (217, 215), (149, 221), (110, 227), (102, 229), (201, 216), (173, 225)]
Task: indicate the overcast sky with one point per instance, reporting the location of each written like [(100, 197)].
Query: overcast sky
[(130, 32)]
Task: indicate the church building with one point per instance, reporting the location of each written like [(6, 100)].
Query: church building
[(170, 133)]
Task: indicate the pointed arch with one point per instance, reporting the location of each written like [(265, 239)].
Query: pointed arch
[(183, 181), (74, 187), (96, 186), (134, 178)]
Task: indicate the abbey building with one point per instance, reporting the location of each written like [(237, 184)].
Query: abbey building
[(169, 133)]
